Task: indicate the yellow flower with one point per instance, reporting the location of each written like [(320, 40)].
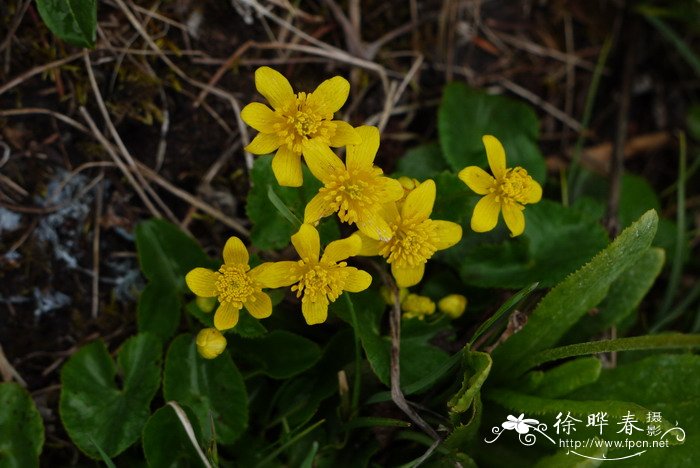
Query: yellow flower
[(415, 237), (508, 190), (356, 190), (235, 285), (210, 343), (317, 281), (415, 306), (296, 120), (453, 305)]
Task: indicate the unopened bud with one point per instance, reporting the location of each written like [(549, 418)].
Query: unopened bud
[(453, 305), (415, 306), (210, 343)]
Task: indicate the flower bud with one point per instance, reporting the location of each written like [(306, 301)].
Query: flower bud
[(415, 306), (408, 183), (210, 343), (453, 305)]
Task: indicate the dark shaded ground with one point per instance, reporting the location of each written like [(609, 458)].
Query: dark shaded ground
[(59, 187)]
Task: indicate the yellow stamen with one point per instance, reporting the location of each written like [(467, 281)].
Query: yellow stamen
[(234, 285), (302, 122), (350, 192), (411, 244), (513, 187), (320, 279)]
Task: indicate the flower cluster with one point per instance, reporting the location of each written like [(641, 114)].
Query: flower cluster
[(392, 216)]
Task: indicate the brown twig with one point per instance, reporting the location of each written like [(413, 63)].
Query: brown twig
[(396, 393)]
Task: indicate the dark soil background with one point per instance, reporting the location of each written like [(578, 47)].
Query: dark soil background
[(173, 84)]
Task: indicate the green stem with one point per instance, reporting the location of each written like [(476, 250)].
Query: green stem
[(357, 383)]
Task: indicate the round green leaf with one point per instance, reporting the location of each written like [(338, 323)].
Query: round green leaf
[(467, 114), (279, 354), (208, 387), (21, 428), (94, 409), (165, 442)]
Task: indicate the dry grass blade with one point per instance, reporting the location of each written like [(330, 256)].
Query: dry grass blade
[(187, 426)]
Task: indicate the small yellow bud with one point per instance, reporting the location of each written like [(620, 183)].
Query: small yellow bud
[(453, 305), (389, 298), (205, 304), (415, 306), (408, 183), (210, 343)]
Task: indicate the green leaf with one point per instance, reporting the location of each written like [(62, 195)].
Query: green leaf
[(454, 201), (467, 114), (166, 255), (282, 208), (209, 387), (74, 21), (421, 162), (563, 458), (669, 384), (661, 341), (564, 305), (165, 442), (624, 296), (567, 377), (636, 198), (278, 354), (158, 310), (21, 428), (477, 367), (272, 231), (418, 358), (532, 257), (94, 410)]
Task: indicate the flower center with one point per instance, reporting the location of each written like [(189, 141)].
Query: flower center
[(302, 122), (320, 280), (513, 187), (350, 192), (411, 244), (234, 285)]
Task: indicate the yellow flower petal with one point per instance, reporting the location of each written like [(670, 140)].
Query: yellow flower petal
[(341, 249), (275, 87), (275, 274), (406, 275), (226, 316), (315, 312), (477, 179), (344, 134), (263, 143), (370, 247), (330, 95), (316, 209), (419, 203), (202, 282), (514, 218), (260, 117), (322, 161), (534, 192), (307, 242), (496, 155), (372, 224), (357, 280), (286, 166), (361, 156), (449, 233), (259, 305), (235, 252), (392, 190), (210, 343), (485, 214)]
